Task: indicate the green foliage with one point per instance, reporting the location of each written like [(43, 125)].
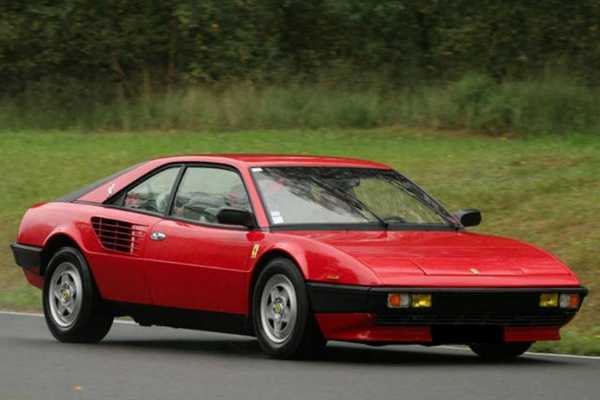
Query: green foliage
[(240, 64), (573, 341), (470, 97), (138, 47), (475, 102), (550, 105)]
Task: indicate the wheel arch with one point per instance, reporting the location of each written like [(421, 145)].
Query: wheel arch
[(55, 242), (261, 264)]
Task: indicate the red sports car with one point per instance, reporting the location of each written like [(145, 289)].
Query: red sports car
[(296, 250)]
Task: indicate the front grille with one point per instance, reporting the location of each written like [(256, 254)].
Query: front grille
[(118, 236), (474, 308)]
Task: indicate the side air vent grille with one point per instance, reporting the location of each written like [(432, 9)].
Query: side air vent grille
[(118, 236)]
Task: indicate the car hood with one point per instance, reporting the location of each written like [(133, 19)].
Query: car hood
[(443, 254)]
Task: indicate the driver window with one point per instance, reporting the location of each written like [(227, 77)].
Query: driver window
[(153, 194), (204, 191)]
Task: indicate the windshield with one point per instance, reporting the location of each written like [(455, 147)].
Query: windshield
[(334, 195)]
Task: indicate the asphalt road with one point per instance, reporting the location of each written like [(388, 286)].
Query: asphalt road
[(162, 363)]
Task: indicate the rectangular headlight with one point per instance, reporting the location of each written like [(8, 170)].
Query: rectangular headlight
[(548, 300), (569, 300), (421, 300)]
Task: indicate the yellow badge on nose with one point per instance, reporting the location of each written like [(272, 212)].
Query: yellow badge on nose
[(255, 249)]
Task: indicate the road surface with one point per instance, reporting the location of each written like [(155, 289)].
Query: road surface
[(163, 363)]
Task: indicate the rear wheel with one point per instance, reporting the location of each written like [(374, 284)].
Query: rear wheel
[(72, 306), (283, 323), (500, 351)]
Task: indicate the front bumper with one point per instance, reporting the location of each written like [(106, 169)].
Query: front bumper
[(457, 315)]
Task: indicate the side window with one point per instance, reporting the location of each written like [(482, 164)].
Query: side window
[(152, 194), (204, 191)]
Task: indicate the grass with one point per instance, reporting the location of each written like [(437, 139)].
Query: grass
[(573, 342), (542, 189), (546, 104)]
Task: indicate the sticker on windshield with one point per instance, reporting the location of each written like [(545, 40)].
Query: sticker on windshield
[(276, 217), (257, 169)]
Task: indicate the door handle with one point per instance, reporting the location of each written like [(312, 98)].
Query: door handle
[(158, 236)]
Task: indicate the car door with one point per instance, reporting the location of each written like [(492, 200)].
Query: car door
[(194, 262), (122, 228)]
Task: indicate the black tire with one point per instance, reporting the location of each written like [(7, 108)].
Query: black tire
[(92, 321), (500, 351), (305, 339)]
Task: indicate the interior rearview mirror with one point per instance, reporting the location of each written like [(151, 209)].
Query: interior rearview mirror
[(468, 216), (235, 216)]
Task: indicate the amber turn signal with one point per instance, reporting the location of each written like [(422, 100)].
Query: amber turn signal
[(398, 300)]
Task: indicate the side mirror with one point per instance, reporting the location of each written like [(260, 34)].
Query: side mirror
[(468, 216), (235, 216)]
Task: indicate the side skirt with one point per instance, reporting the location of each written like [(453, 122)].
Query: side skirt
[(148, 315)]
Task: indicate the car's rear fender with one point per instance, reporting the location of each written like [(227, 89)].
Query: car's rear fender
[(61, 237), (45, 227)]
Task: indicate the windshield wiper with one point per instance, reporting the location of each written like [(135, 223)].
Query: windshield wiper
[(393, 220), (425, 199), (352, 199)]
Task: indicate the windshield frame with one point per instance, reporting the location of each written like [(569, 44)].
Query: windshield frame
[(452, 224)]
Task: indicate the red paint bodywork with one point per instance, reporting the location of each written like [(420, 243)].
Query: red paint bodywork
[(210, 268), (360, 327)]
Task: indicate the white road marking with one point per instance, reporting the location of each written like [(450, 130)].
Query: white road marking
[(23, 314), (529, 353), (27, 314)]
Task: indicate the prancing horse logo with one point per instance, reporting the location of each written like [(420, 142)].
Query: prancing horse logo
[(474, 271)]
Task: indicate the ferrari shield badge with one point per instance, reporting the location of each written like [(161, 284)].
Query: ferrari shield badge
[(255, 249)]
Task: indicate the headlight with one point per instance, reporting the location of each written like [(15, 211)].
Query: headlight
[(421, 300), (548, 300), (406, 300)]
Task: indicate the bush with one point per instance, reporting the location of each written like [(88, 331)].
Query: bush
[(551, 105), (476, 102)]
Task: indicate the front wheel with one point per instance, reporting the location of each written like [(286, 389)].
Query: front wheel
[(283, 323), (500, 351), (72, 306)]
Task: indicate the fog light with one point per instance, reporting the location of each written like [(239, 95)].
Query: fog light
[(398, 300), (569, 300), (421, 300), (549, 300)]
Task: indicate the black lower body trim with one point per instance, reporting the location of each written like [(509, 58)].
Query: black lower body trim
[(450, 306), (27, 257), (556, 317), (461, 334), (147, 315), (327, 298)]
